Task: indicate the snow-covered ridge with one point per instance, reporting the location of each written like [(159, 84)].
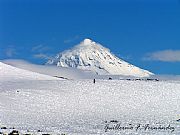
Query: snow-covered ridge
[(60, 72), (89, 55), (8, 72)]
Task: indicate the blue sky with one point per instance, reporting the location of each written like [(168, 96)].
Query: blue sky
[(145, 33)]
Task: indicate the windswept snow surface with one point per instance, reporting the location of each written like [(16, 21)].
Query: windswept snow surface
[(82, 107), (89, 55)]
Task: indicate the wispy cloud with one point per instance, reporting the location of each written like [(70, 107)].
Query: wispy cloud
[(40, 48), (10, 51), (71, 39), (165, 56), (42, 56), (41, 52)]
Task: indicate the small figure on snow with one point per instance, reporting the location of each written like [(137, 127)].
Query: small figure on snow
[(94, 81)]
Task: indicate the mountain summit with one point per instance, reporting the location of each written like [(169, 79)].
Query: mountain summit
[(89, 55)]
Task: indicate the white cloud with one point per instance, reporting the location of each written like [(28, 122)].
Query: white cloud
[(165, 56)]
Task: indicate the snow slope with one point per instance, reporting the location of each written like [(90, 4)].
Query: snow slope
[(69, 73), (11, 73), (81, 107), (89, 55), (39, 104)]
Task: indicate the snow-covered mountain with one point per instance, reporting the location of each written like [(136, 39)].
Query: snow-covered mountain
[(89, 55)]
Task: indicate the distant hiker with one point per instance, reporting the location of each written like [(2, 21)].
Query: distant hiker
[(94, 81)]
